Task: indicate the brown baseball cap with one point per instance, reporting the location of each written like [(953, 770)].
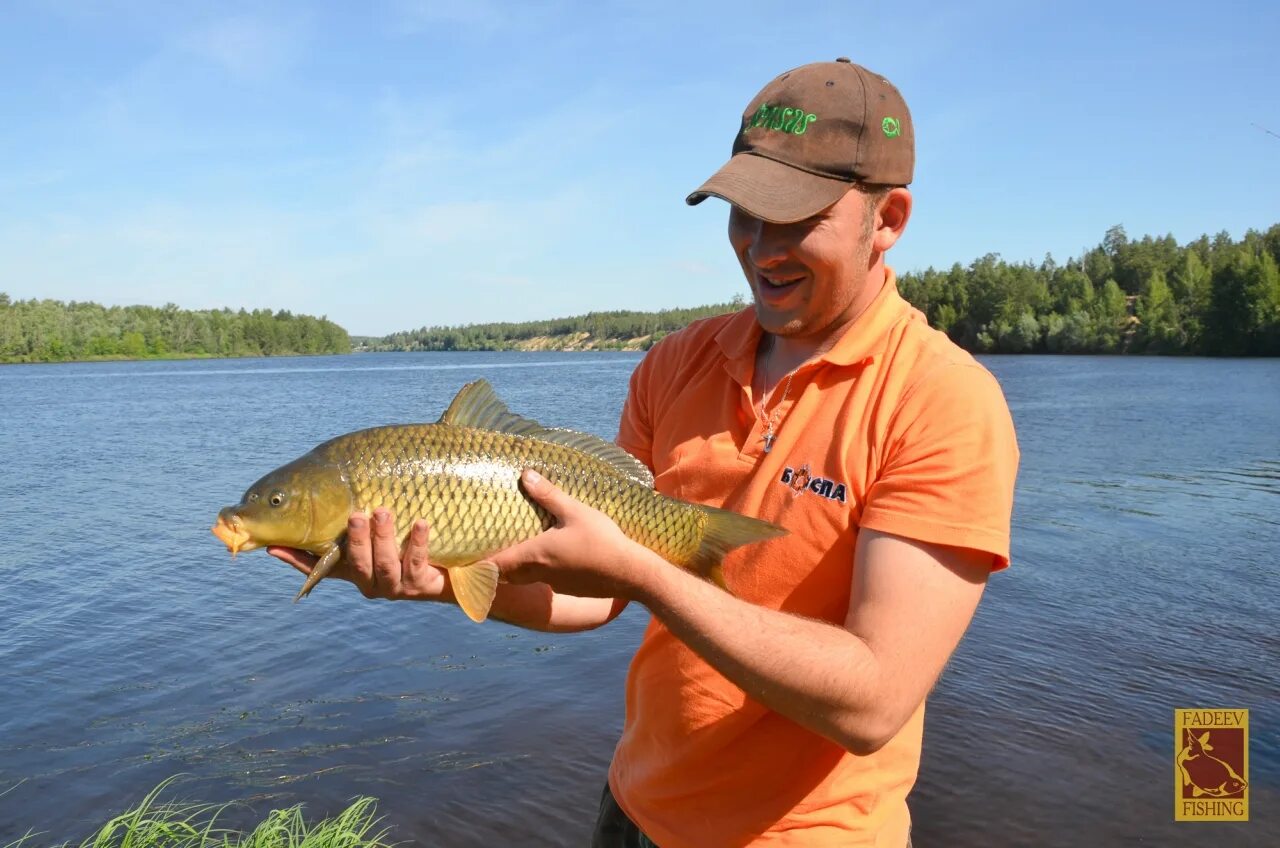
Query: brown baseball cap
[(811, 134)]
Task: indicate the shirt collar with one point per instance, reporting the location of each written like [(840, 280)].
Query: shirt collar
[(740, 336)]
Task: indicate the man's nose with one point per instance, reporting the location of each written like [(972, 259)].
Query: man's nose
[(768, 245)]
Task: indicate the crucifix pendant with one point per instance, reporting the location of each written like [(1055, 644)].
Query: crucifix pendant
[(768, 441)]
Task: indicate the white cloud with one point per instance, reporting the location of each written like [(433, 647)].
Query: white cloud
[(244, 46), (483, 16), (505, 230), (25, 180), (423, 154), (695, 268), (450, 223)]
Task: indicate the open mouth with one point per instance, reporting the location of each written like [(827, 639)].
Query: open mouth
[(774, 287), (778, 282), (233, 534)]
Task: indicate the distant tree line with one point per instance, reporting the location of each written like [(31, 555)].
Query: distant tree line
[(1215, 297), (53, 331), (606, 329), (1212, 296)]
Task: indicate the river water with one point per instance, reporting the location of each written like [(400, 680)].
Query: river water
[(1145, 579)]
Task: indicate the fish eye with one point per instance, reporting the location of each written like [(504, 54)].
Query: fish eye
[(277, 498)]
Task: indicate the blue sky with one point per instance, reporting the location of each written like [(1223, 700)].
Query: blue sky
[(401, 164)]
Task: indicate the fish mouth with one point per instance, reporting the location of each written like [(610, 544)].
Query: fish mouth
[(231, 531)]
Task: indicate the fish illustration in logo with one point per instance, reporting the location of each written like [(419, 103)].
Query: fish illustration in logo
[(1205, 774)]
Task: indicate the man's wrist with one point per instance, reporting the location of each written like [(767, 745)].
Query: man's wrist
[(655, 580)]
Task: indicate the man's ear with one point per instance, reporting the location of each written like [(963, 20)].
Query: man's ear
[(892, 213)]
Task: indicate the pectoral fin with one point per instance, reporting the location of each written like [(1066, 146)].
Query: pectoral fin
[(318, 571), (474, 586)]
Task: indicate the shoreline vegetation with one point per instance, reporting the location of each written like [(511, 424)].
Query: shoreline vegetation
[(1210, 297), (163, 824), (153, 823), (54, 331), (617, 330)]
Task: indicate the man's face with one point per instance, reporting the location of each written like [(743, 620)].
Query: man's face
[(807, 277)]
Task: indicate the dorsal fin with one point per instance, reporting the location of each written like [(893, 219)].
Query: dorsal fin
[(599, 448), (478, 406)]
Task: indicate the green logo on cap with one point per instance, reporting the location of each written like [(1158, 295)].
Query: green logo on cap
[(781, 118), (891, 127)]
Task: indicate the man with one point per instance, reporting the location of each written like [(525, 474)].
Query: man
[(789, 710)]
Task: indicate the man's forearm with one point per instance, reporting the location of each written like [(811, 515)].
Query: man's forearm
[(534, 606), (819, 675)]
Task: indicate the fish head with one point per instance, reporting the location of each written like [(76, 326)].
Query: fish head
[(300, 505)]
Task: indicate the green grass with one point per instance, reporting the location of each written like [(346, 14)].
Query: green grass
[(169, 824)]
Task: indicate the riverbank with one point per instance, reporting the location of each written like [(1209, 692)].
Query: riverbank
[(161, 357), (119, 357), (583, 341)]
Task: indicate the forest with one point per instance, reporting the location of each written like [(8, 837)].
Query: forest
[(55, 331), (1213, 296), (604, 331)]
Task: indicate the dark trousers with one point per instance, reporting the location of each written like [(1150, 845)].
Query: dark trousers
[(614, 829)]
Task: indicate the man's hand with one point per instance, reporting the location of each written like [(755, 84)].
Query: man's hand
[(376, 566), (584, 554), (380, 570)]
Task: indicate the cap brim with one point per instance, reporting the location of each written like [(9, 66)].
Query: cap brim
[(769, 190)]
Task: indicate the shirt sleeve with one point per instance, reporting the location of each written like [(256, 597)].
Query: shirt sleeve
[(635, 429), (952, 458)]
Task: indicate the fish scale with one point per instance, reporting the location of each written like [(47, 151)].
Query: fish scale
[(462, 475)]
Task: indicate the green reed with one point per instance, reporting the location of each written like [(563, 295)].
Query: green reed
[(154, 823)]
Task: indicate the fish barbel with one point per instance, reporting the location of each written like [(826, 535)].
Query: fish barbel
[(462, 474)]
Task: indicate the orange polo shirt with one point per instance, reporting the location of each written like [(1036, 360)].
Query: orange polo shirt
[(895, 429)]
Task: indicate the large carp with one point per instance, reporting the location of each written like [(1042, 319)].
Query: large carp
[(462, 474)]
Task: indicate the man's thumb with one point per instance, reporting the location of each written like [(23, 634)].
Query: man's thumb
[(546, 493)]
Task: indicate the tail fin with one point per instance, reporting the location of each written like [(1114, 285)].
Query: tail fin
[(725, 531)]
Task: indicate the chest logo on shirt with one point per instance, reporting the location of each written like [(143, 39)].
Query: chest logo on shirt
[(802, 481)]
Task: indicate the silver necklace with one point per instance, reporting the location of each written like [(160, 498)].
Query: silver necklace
[(769, 420)]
